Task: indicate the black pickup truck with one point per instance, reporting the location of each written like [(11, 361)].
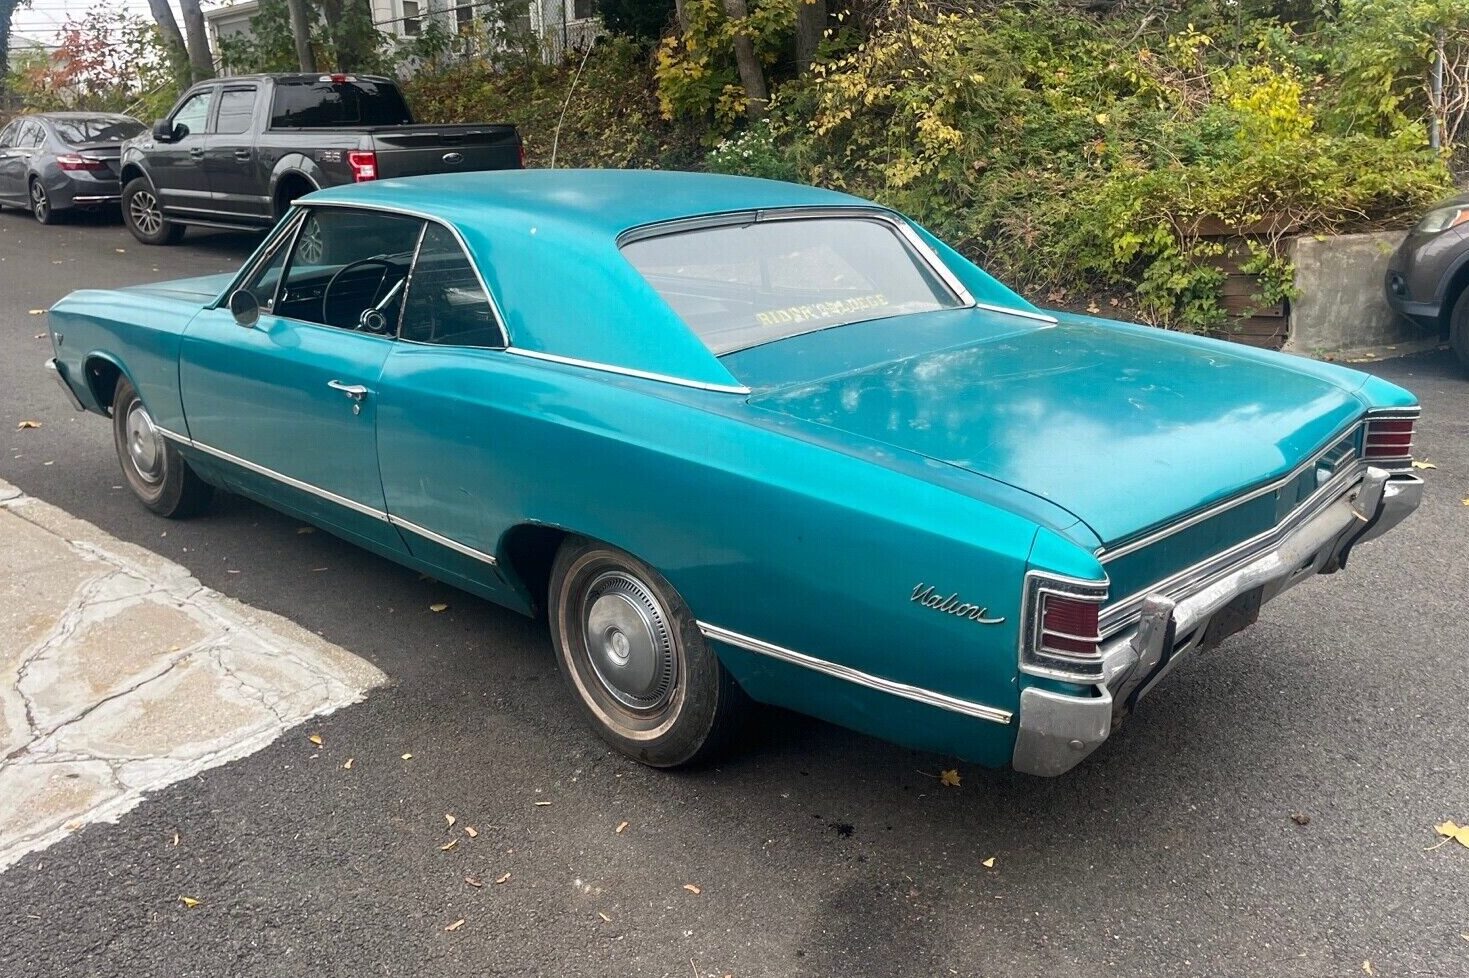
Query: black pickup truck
[(235, 152)]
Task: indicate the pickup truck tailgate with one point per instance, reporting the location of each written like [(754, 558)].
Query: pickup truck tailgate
[(406, 151)]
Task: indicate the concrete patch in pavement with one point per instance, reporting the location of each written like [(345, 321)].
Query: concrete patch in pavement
[(120, 674)]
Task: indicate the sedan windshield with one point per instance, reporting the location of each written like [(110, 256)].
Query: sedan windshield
[(743, 285), (76, 131)]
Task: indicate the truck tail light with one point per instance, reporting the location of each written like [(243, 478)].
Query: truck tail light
[(363, 164), (1062, 637), (73, 162), (1389, 439)]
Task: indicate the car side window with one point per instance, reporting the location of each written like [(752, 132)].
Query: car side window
[(31, 134), (446, 303), (347, 268), (194, 113), (7, 135), (236, 108)]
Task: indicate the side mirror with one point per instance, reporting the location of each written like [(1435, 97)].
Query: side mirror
[(245, 307), (163, 131)]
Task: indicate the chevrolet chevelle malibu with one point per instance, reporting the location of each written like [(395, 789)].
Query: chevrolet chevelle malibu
[(745, 440)]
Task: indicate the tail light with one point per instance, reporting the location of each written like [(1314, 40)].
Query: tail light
[(1063, 639), (1389, 439), (73, 162), (363, 164)]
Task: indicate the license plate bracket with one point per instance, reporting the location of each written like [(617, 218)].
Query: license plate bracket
[(1241, 612)]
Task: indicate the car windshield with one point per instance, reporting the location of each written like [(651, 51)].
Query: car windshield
[(743, 285), (324, 104), (96, 129)]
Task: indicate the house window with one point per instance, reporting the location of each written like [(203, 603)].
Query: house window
[(582, 9), (411, 20), (464, 16)]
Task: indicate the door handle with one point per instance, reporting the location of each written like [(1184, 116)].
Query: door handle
[(197, 152), (355, 391), (242, 154)]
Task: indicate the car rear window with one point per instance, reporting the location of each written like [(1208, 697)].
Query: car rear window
[(102, 129), (324, 104), (743, 285)]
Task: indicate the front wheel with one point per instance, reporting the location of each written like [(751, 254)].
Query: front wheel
[(155, 471), (1459, 329), (143, 215), (634, 658)]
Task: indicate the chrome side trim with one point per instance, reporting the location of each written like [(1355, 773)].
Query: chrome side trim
[(1022, 313), (626, 371), (1223, 505), (281, 477), (441, 540), (925, 696)]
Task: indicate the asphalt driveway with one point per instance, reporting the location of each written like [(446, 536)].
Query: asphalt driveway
[(813, 851)]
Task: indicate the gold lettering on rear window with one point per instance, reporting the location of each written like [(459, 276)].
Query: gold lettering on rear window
[(836, 309)]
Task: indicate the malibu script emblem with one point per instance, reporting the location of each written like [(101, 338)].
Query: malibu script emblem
[(925, 595)]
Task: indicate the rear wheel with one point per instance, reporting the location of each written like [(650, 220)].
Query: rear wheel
[(41, 203), (1459, 329), (143, 215), (634, 658), (155, 471)]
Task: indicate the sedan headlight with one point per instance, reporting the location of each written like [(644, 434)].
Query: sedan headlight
[(1443, 218)]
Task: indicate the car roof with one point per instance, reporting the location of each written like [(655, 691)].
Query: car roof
[(546, 242)]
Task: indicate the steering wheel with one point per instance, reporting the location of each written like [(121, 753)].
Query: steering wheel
[(388, 266)]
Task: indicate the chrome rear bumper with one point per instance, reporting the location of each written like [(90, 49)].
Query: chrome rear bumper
[(1057, 730)]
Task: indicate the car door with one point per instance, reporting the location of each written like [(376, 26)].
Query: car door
[(446, 477), (236, 184), (177, 167), (289, 404), (15, 159), (8, 137)]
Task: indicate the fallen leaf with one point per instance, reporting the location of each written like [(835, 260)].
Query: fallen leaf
[(189, 902), (450, 819), (455, 925), (471, 831), (175, 838), (989, 863), (692, 889), (503, 879), (949, 778), (38, 312), (27, 424), (315, 739), (1367, 967), (1449, 830), (448, 845), (605, 918), (39, 336), (620, 827), (407, 757), (436, 608), (1300, 818), (120, 251), (542, 804), (1466, 500), (348, 765), (305, 529), (474, 882), (1425, 464)]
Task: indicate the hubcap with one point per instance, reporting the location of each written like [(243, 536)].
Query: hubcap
[(143, 209), (38, 200), (629, 641), (145, 445)]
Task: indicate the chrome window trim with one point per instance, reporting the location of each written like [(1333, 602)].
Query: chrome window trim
[(1120, 614), (1055, 665), (283, 236), (627, 371), (332, 497), (1106, 556), (917, 694)]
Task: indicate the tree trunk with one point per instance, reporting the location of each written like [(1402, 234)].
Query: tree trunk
[(301, 34), (683, 20), (353, 37), (7, 11), (810, 28), (201, 61), (173, 38), (752, 77)]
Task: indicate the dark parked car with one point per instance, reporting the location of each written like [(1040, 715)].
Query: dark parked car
[(56, 161), (235, 152), (1428, 276)]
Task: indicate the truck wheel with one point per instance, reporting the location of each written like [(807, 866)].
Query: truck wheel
[(634, 658), (143, 215), (1459, 329)]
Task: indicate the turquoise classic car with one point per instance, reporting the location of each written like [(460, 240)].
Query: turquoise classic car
[(744, 440)]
